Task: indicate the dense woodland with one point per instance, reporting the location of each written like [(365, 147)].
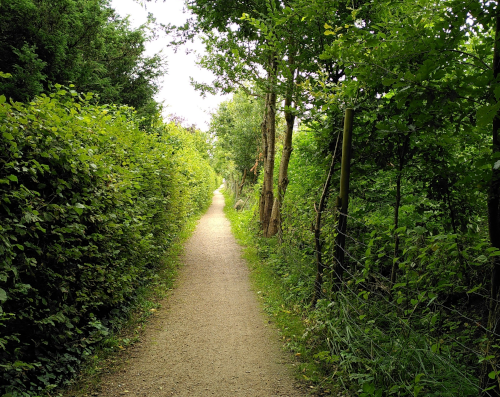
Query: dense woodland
[(398, 283), (94, 186)]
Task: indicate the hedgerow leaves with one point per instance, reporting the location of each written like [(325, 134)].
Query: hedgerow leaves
[(89, 203)]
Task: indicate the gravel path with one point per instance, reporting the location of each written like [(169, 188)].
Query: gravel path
[(210, 338)]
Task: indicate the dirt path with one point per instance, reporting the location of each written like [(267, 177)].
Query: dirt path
[(210, 339)]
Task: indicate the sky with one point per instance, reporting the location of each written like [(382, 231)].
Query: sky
[(179, 97)]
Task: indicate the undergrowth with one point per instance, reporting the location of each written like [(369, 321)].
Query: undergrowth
[(356, 341)]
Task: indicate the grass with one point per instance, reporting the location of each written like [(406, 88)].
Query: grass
[(112, 352), (291, 320), (337, 349)]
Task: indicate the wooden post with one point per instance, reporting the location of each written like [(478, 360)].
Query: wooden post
[(343, 198)]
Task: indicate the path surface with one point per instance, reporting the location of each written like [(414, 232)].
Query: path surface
[(210, 339)]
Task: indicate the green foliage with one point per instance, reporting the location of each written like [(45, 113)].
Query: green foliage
[(411, 314), (78, 42), (236, 128), (421, 336), (89, 205)]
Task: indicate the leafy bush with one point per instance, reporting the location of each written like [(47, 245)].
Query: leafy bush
[(89, 203), (422, 334)]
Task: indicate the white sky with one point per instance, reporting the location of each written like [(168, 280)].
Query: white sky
[(179, 97)]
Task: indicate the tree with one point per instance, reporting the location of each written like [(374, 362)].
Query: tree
[(235, 126), (265, 36), (78, 42)]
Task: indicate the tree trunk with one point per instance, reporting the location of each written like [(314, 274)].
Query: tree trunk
[(494, 190), (403, 149), (269, 167), (343, 199), (269, 142), (264, 158), (396, 224), (275, 222), (242, 182)]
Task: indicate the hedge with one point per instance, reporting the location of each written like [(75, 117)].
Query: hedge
[(88, 205)]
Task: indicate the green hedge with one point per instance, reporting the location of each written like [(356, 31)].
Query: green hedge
[(88, 205)]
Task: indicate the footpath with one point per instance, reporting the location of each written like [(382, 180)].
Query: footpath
[(210, 338)]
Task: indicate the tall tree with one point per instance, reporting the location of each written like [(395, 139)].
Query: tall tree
[(265, 36), (80, 42), (237, 53), (236, 127)]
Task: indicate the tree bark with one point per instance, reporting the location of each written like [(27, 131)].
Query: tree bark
[(242, 182), (264, 159), (269, 166), (403, 149), (269, 150), (343, 199), (396, 224), (275, 222), (494, 189)]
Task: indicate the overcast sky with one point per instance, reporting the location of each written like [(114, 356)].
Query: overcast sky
[(178, 95)]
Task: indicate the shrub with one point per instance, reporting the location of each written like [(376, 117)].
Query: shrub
[(89, 203)]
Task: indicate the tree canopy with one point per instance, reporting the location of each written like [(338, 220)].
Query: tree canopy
[(80, 42)]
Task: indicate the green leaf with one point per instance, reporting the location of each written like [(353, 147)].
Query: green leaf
[(13, 178), (486, 114), (401, 229), (3, 295), (388, 82), (497, 92), (418, 377), (8, 136), (369, 388), (473, 289), (79, 208)]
